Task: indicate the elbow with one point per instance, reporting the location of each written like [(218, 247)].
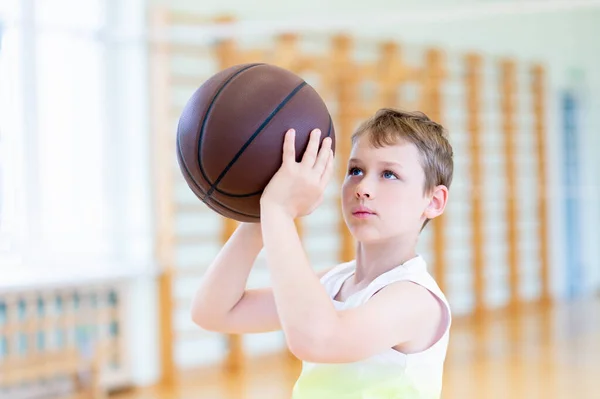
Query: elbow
[(203, 318), (198, 317), (204, 314)]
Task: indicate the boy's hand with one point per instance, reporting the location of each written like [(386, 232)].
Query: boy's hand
[(297, 188)]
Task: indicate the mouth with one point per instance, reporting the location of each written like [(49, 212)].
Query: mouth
[(362, 212), (362, 215)]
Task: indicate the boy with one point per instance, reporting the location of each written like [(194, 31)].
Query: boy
[(375, 327)]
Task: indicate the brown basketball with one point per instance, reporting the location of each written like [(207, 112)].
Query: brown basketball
[(230, 134)]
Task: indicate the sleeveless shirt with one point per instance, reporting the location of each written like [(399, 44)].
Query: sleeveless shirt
[(386, 375)]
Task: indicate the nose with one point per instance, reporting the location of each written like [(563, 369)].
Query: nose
[(363, 191)]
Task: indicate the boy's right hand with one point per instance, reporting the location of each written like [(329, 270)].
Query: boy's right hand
[(297, 188)]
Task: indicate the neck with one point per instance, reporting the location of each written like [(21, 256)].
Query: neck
[(373, 259)]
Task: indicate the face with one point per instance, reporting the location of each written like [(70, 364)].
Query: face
[(383, 193)]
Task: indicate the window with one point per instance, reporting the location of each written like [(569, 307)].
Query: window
[(10, 124), (71, 115), (63, 192)]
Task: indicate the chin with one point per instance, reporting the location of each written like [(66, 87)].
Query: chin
[(368, 234), (364, 233)]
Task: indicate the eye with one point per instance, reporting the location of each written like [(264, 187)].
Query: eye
[(389, 175), (353, 171)]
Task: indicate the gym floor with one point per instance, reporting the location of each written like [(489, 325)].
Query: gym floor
[(545, 352)]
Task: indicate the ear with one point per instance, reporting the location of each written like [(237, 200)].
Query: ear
[(437, 202)]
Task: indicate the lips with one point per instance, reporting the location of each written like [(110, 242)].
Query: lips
[(362, 211)]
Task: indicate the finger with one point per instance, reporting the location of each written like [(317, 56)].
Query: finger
[(328, 172), (289, 146), (310, 154), (323, 156)]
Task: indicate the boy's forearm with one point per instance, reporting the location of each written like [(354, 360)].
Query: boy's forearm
[(225, 280), (305, 310)]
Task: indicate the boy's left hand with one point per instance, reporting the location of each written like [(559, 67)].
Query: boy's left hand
[(297, 188)]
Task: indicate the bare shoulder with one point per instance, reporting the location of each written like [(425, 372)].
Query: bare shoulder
[(408, 302), (405, 301), (406, 290)]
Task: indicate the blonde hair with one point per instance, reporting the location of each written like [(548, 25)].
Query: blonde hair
[(390, 126)]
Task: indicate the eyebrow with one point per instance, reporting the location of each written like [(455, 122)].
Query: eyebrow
[(384, 163)]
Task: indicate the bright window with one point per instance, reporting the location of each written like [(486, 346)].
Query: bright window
[(56, 202)]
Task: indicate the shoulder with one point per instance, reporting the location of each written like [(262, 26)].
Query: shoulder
[(423, 315), (413, 298), (415, 279), (410, 294)]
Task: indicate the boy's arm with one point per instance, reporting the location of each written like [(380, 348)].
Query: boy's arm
[(255, 312), (224, 282), (315, 331), (222, 302)]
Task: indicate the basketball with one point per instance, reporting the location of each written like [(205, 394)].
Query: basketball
[(231, 131)]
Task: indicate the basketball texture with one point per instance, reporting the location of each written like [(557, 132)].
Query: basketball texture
[(231, 131)]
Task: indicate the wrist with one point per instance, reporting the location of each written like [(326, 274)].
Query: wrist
[(250, 232), (269, 210)]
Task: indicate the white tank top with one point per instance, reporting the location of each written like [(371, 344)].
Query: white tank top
[(386, 375)]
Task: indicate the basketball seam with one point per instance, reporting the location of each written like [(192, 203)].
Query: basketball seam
[(182, 159), (207, 200), (260, 191), (330, 126), (254, 135), (208, 109)]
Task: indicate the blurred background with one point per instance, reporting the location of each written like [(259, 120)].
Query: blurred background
[(102, 244)]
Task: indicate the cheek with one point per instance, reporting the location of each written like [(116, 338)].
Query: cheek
[(347, 189), (401, 202)]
